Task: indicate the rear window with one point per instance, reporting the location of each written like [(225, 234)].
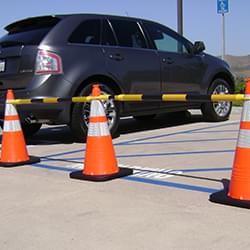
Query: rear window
[(88, 32), (28, 32), (128, 34), (33, 37)]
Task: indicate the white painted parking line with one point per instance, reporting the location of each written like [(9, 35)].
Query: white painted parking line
[(155, 173), (144, 172)]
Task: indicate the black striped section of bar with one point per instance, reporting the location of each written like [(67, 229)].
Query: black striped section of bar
[(111, 97), (198, 98), (64, 99), (37, 100), (151, 97)]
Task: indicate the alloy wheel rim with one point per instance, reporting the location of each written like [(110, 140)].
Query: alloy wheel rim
[(109, 108), (221, 108)]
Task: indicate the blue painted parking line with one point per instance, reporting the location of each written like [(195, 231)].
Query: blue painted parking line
[(63, 169), (180, 132), (178, 153), (46, 158), (174, 171), (172, 184), (181, 141), (192, 170), (150, 181), (216, 131), (143, 139), (65, 153), (160, 154), (203, 170)]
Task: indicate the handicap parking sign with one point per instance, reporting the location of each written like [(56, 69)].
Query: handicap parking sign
[(222, 6)]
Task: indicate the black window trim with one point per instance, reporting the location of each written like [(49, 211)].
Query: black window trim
[(112, 30), (144, 35), (148, 39), (130, 20)]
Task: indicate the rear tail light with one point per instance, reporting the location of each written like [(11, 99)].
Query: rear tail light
[(48, 63)]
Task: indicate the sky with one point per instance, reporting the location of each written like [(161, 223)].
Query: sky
[(201, 22)]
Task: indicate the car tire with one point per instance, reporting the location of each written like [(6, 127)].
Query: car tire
[(144, 117), (30, 129), (81, 111), (217, 111)]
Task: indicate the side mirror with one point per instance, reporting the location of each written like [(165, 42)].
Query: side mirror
[(198, 47)]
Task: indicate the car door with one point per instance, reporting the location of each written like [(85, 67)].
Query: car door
[(130, 62), (181, 70)]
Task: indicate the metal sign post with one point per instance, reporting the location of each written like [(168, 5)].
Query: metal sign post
[(180, 16), (222, 8)]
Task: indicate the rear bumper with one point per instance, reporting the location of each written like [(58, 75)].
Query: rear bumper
[(43, 87), (43, 113)]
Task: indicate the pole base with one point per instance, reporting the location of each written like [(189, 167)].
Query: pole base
[(221, 197), (80, 176), (33, 159)]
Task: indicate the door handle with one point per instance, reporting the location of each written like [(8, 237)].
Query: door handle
[(117, 57), (168, 60)]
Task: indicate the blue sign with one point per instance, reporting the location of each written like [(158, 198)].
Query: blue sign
[(222, 6)]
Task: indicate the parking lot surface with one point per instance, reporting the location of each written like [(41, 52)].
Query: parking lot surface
[(177, 164)]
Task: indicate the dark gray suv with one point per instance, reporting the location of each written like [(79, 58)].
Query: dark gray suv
[(63, 55)]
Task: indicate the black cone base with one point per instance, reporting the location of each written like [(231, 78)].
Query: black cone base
[(221, 197), (33, 159), (80, 176)]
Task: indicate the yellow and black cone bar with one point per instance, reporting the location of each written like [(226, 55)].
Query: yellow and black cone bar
[(136, 98)]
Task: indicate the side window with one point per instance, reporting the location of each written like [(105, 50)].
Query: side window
[(108, 38), (87, 32), (163, 40), (128, 34)]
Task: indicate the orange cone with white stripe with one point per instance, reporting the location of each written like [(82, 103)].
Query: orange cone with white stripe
[(238, 192), (100, 161), (14, 151)]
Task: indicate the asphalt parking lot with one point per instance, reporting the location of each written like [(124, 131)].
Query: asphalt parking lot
[(177, 164)]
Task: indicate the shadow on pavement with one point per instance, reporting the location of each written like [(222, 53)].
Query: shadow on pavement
[(51, 135), (130, 125), (61, 134)]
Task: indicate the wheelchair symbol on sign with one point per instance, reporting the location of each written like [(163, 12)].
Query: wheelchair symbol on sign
[(222, 6)]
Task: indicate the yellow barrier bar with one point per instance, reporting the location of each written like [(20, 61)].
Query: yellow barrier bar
[(90, 98), (134, 98), (50, 100), (174, 97), (128, 98), (19, 101), (229, 98), (80, 99)]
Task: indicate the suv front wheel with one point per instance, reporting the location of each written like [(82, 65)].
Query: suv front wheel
[(81, 112), (218, 111)]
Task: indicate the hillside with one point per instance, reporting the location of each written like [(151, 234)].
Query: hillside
[(240, 65)]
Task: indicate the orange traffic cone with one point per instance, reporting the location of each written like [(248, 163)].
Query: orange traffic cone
[(14, 152), (238, 192), (100, 161)]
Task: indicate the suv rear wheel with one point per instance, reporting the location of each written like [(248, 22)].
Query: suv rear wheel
[(30, 129), (81, 111), (218, 111)]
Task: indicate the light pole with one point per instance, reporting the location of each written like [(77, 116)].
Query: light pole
[(180, 16)]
